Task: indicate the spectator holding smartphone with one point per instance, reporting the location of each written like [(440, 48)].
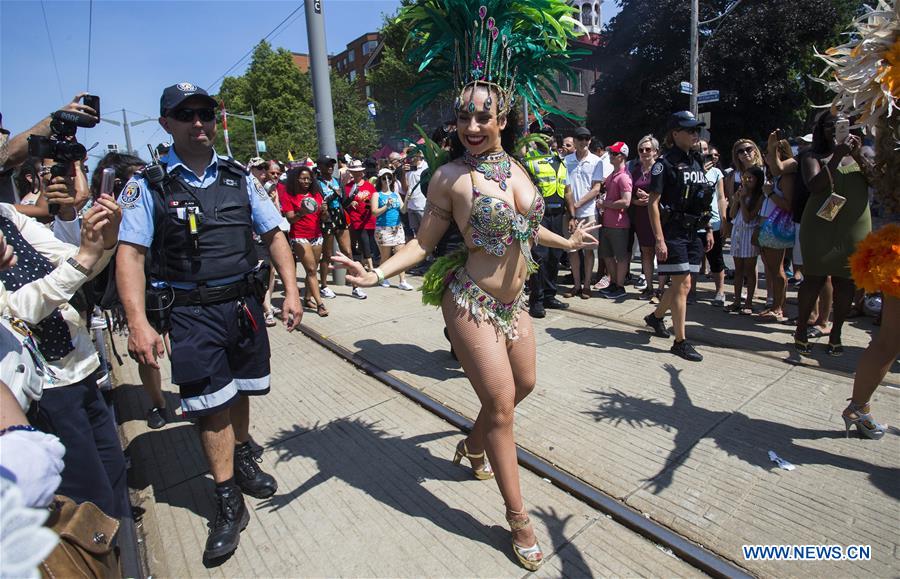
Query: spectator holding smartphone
[(37, 291), (832, 174), (386, 206)]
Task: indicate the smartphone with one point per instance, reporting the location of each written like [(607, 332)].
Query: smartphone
[(93, 101), (107, 182), (841, 130), (779, 134)]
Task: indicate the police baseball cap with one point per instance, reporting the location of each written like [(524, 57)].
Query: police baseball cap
[(325, 160), (178, 93), (582, 132), (684, 120), (547, 128)]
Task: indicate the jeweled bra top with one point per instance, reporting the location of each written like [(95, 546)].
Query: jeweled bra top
[(495, 224)]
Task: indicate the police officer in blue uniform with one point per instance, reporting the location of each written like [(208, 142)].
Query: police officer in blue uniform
[(680, 201), (193, 217)]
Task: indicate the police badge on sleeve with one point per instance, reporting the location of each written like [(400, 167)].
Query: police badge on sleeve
[(129, 197), (260, 190)]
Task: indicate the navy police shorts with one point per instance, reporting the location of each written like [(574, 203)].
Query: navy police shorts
[(215, 357), (685, 253)]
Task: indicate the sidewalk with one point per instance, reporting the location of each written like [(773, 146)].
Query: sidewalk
[(366, 489), (684, 443)]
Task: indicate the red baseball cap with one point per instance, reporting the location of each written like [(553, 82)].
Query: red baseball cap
[(618, 147)]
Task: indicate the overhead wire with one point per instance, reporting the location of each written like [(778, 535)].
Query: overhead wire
[(250, 52), (52, 52), (90, 40)]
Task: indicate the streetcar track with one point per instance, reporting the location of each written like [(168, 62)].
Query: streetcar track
[(695, 555)]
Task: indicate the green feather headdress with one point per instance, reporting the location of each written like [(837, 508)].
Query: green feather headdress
[(518, 47)]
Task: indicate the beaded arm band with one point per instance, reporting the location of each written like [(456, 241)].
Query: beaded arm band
[(438, 212), (379, 274)]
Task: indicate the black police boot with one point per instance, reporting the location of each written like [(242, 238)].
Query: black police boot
[(686, 351), (658, 325), (248, 476), (555, 304), (536, 310), (232, 517)]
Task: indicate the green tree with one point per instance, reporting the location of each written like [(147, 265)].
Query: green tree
[(281, 97), (392, 79), (759, 58)]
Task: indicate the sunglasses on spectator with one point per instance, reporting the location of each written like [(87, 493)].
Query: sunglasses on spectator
[(187, 115), (645, 150), (745, 151)]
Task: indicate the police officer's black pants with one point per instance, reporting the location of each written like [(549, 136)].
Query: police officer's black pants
[(542, 285), (94, 464)]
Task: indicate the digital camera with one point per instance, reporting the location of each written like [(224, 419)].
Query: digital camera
[(61, 145)]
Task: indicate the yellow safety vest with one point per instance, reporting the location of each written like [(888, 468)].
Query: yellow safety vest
[(549, 182)]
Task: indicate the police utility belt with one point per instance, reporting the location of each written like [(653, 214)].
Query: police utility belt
[(690, 221), (254, 283)]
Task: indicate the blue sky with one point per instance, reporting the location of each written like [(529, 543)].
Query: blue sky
[(140, 47)]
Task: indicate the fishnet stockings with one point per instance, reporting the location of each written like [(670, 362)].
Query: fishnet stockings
[(502, 372)]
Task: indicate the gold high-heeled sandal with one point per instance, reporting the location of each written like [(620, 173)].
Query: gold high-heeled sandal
[(484, 472), (529, 557)]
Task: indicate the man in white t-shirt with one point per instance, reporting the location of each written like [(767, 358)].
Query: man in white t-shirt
[(584, 171), (415, 198)]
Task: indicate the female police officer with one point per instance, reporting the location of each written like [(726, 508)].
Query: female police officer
[(680, 201), (197, 216)]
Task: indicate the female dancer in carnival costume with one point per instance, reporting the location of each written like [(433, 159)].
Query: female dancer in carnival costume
[(490, 197), (865, 75)]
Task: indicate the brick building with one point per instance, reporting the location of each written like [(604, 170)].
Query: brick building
[(573, 96), (359, 56)]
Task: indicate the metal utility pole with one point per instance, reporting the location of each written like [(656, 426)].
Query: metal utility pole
[(321, 83), (255, 140), (695, 45), (695, 54), (127, 133)]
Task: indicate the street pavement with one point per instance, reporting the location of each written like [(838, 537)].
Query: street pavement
[(367, 487)]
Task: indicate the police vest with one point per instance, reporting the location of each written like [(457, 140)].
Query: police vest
[(550, 178), (203, 234), (692, 192)]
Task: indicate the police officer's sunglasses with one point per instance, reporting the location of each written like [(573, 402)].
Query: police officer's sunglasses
[(187, 115)]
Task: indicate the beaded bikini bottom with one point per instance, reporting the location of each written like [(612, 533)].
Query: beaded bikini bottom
[(483, 306)]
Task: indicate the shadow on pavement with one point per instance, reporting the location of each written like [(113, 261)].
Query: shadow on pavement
[(748, 439), (390, 469), (571, 561), (411, 358), (607, 337), (133, 404)]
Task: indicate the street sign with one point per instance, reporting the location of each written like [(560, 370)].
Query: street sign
[(706, 118), (686, 87), (261, 145), (708, 96)]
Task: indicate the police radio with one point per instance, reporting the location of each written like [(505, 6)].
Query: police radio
[(154, 172)]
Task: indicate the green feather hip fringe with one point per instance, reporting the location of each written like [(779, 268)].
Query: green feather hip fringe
[(437, 277)]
